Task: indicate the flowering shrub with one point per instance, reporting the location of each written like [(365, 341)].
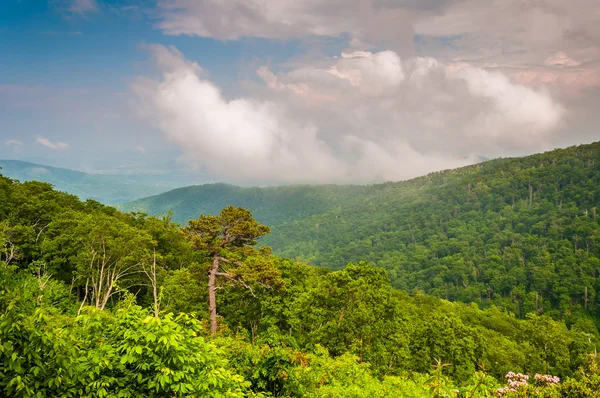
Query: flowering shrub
[(546, 380), (516, 382), (519, 383)]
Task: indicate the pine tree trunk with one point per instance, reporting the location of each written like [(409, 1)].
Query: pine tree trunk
[(212, 299)]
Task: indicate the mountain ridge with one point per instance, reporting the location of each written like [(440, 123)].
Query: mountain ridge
[(108, 189)]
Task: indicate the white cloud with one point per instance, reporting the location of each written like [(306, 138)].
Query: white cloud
[(532, 36), (49, 144), (373, 74), (243, 138), (366, 116), (140, 149), (551, 45), (515, 113), (14, 143)]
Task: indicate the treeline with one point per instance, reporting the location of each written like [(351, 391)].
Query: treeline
[(95, 302)]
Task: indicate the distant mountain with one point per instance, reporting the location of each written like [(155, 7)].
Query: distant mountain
[(521, 233), (108, 189), (270, 205)]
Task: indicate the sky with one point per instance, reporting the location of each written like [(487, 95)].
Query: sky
[(295, 91)]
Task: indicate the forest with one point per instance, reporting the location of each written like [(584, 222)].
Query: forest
[(521, 234), (476, 282)]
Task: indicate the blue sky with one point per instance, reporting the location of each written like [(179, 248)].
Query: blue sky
[(293, 91), (66, 77)]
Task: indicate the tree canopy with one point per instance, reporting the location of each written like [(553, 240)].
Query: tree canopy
[(227, 241), (519, 233), (97, 302)]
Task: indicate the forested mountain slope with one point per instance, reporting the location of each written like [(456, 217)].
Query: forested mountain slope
[(270, 205), (108, 189), (95, 302), (522, 233)]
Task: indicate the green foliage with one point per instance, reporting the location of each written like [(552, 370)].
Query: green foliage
[(321, 333), (233, 229), (271, 206), (356, 311), (226, 241), (587, 381), (126, 353), (133, 354), (286, 372), (182, 292), (96, 247), (521, 234)]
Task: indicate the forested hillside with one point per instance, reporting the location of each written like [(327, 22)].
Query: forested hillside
[(108, 189), (270, 205), (99, 303), (519, 233)]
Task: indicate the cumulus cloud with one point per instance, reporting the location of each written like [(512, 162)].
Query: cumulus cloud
[(532, 36), (49, 144), (242, 137), (366, 116), (456, 109)]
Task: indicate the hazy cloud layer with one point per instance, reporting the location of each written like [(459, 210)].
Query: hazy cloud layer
[(522, 29), (232, 19), (534, 41), (367, 116), (518, 30)]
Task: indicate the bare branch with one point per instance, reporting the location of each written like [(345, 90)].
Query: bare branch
[(247, 287), (42, 278), (39, 233), (236, 279), (225, 275), (230, 261)]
